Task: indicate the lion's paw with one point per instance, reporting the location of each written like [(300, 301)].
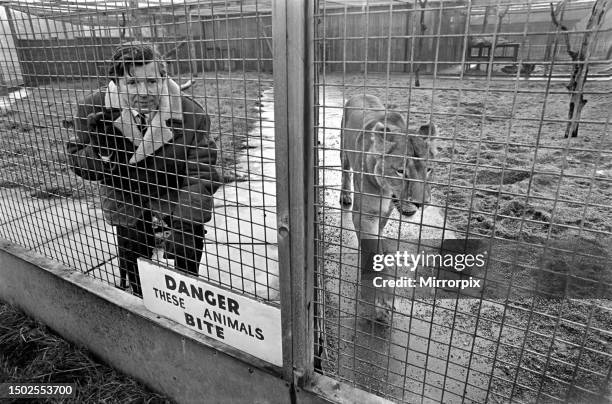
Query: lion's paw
[(384, 311), (345, 199), (404, 207)]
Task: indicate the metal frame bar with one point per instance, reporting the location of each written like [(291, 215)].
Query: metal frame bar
[(292, 73)]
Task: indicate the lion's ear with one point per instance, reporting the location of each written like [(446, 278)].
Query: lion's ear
[(377, 137), (429, 132), (376, 133), (379, 127)]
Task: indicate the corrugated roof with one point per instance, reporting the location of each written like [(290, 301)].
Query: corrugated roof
[(110, 13)]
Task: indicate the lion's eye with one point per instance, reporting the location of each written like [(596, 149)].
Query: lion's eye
[(429, 171), (400, 172)]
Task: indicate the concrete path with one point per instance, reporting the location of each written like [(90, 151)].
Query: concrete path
[(7, 101), (241, 250), (67, 230)]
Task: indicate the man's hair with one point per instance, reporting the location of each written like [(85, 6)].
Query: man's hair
[(135, 53)]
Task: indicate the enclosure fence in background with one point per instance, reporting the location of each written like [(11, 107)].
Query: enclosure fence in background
[(476, 100)]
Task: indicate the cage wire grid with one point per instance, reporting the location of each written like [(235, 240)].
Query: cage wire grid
[(504, 174), (56, 54)]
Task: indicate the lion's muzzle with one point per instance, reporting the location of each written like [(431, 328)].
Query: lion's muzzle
[(406, 208)]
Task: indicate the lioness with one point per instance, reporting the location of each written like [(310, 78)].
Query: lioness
[(389, 163)]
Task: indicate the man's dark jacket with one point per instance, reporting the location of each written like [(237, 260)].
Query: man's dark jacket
[(177, 179)]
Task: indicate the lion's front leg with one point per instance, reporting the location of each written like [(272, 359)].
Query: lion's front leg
[(345, 191), (386, 209), (370, 213)]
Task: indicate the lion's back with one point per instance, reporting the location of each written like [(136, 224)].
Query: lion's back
[(358, 111)]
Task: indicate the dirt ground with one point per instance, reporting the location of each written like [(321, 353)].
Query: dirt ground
[(504, 170), (32, 133), (503, 156)]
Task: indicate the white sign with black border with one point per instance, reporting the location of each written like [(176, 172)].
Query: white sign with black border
[(241, 322)]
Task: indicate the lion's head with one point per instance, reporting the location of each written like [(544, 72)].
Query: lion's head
[(399, 159)]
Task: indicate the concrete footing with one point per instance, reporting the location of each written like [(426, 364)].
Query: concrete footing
[(116, 327)]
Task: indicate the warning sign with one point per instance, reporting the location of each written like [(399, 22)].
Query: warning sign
[(249, 325)]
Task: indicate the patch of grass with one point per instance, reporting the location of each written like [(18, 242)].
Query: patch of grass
[(32, 353), (494, 177)]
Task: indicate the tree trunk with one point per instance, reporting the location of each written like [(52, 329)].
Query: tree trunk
[(495, 37), (581, 68), (550, 52), (423, 28), (485, 20), (3, 85), (134, 21)]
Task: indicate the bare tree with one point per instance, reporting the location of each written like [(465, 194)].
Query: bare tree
[(580, 69), (3, 85), (122, 25), (500, 18), (130, 22), (485, 20), (559, 11), (423, 28), (485, 23)]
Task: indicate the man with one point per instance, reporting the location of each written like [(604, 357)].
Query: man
[(150, 148)]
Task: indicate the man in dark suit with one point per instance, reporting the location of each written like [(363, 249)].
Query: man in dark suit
[(149, 145)]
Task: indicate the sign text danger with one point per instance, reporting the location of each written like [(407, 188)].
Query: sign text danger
[(241, 322)]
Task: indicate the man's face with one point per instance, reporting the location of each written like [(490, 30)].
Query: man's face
[(143, 86)]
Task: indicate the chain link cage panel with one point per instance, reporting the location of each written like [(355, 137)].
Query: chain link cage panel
[(449, 129), (202, 194)]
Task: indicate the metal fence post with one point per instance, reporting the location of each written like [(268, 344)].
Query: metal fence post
[(294, 167)]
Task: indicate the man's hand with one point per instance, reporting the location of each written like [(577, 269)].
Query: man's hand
[(175, 124), (103, 135), (97, 121)]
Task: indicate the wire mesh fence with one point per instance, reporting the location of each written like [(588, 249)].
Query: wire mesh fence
[(202, 194), (450, 152), (454, 120)]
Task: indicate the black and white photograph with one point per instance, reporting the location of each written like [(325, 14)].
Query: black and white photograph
[(306, 201)]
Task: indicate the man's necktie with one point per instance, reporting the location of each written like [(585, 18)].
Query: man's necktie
[(141, 123)]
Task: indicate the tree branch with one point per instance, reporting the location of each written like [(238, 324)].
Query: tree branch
[(565, 32), (423, 4), (503, 13)]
